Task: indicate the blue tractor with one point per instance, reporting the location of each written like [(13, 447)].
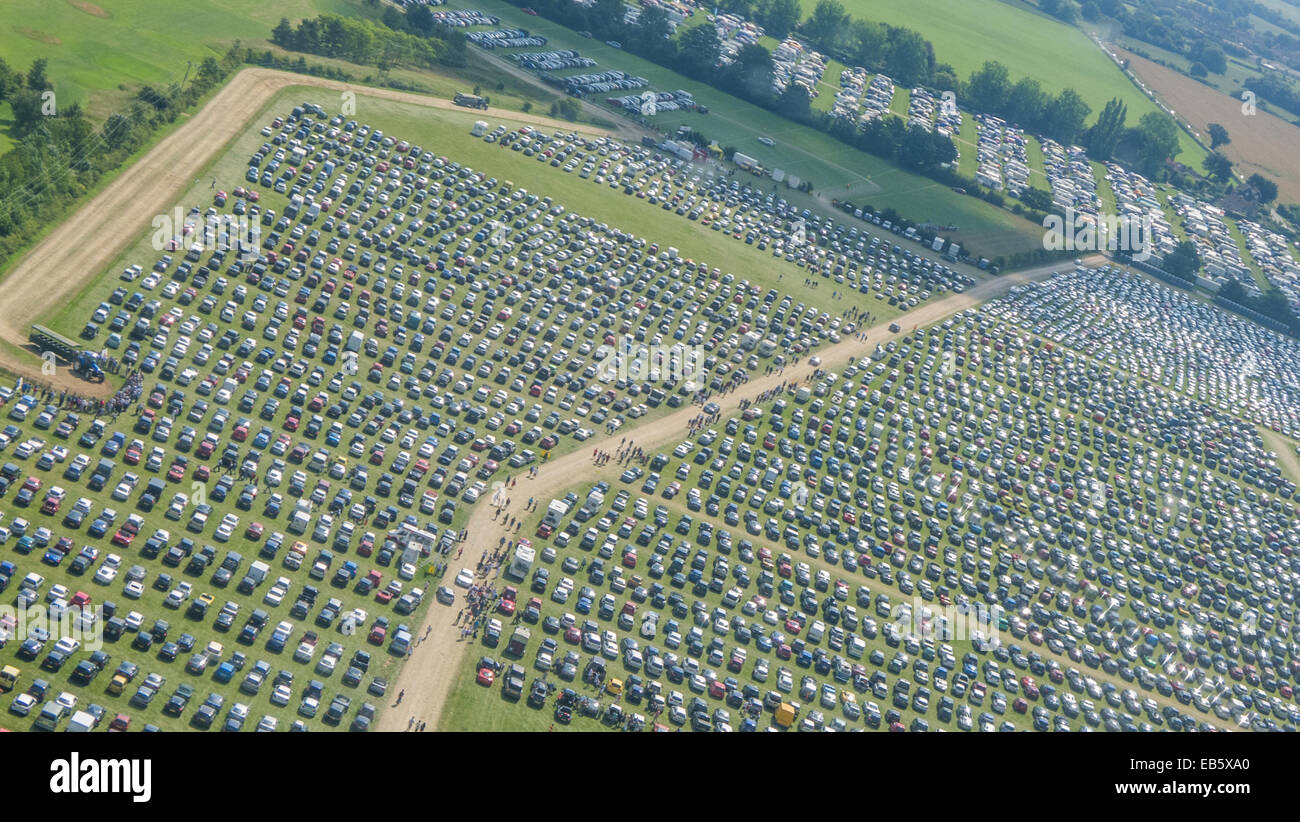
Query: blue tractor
[(87, 365)]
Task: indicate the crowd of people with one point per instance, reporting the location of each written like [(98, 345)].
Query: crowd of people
[(120, 402)]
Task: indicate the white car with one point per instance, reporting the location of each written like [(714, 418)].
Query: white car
[(281, 695), (22, 704), (465, 578), (134, 620), (133, 590), (106, 574)]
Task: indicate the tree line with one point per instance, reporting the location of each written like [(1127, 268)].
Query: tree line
[(60, 155), (372, 43)]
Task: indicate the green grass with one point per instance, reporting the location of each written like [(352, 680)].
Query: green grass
[(141, 41)]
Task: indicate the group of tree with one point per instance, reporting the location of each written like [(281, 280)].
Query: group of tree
[(1272, 303), (358, 41), (1061, 117), (1275, 90), (60, 154), (899, 52)]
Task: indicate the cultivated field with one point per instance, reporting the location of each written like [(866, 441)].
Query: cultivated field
[(1261, 143)]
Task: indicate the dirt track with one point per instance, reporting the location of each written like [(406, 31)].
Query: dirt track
[(81, 247), (427, 676)]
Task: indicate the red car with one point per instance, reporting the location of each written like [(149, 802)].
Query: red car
[(377, 635), (254, 531), (486, 676)]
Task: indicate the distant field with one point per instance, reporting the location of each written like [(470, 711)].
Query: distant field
[(838, 170), (1262, 143), (965, 34), (93, 49), (1286, 9)]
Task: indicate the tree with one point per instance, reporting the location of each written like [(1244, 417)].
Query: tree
[(698, 51), (652, 34), (944, 78), (26, 105), (750, 74), (1026, 103), (607, 18), (1157, 138), (420, 18), (777, 17), (1105, 133), (1198, 69), (209, 73), (827, 25), (1234, 292), (1211, 55), (866, 42), (1183, 262), (795, 102), (283, 35), (1060, 9), (988, 88), (10, 80), (1218, 136), (116, 131), (1091, 11), (1264, 187), (566, 108), (909, 59), (36, 79), (393, 19), (1064, 115), (1217, 166)]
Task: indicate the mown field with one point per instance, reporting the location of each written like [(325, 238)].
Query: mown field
[(94, 49)]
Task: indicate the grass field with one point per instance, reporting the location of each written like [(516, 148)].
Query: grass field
[(836, 170), (136, 42), (968, 33), (99, 55)]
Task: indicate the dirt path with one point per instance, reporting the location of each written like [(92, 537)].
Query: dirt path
[(625, 128), (427, 676), (1287, 458), (81, 247)]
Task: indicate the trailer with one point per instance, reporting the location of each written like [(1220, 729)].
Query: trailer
[(470, 100), (46, 339)]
